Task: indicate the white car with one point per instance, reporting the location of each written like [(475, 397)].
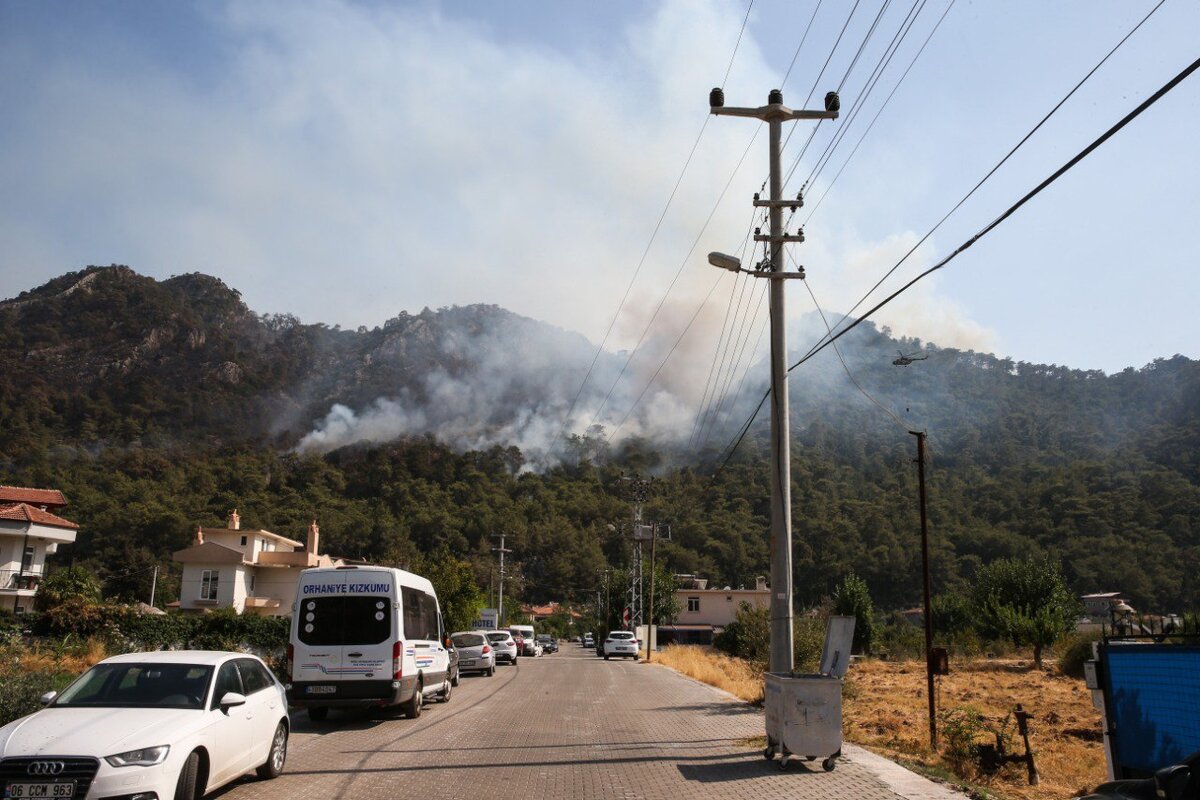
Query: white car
[(174, 724), (621, 643)]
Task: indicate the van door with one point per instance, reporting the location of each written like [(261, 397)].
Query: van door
[(318, 641), (422, 634), (369, 625)]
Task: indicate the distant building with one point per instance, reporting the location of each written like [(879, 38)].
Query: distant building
[(247, 570), (539, 613), (29, 531), (705, 612)]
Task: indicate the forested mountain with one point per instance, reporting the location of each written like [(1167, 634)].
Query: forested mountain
[(159, 405)]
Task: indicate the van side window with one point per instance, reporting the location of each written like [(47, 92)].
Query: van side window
[(414, 616), (429, 615)]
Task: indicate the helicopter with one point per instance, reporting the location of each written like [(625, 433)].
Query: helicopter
[(904, 361)]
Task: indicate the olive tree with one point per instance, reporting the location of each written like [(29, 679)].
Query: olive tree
[(1026, 601)]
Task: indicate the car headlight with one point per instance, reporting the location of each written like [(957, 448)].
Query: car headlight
[(146, 757)]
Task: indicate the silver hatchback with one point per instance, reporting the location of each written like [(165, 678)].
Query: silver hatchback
[(503, 646), (475, 652)]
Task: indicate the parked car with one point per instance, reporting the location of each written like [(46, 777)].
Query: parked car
[(178, 723), (588, 641), (529, 645), (549, 643), (504, 645), (620, 643), (475, 654)]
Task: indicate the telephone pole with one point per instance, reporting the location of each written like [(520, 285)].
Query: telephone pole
[(500, 606), (775, 113), (933, 738)]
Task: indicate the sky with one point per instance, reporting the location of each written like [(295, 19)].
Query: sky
[(346, 161)]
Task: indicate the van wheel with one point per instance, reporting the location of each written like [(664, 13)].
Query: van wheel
[(454, 680), (319, 714), (185, 789), (412, 707), (444, 696)]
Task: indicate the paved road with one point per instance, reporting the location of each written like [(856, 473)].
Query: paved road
[(569, 725)]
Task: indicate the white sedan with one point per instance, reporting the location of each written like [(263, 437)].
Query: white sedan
[(141, 726)]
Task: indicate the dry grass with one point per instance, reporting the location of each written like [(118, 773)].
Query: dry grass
[(885, 711), (65, 660), (735, 675)]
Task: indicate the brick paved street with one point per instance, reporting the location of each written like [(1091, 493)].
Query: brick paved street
[(569, 725)]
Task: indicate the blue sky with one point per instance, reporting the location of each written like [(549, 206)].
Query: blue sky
[(346, 161)]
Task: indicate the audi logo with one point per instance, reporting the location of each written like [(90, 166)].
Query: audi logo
[(46, 768)]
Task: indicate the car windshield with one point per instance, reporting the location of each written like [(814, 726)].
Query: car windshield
[(138, 685), (543, 638), (467, 640), (620, 635), (497, 637)]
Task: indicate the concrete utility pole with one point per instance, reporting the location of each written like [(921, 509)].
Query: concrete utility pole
[(775, 113), (500, 606)]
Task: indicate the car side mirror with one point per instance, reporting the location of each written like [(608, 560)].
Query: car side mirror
[(1174, 782), (47, 698), (231, 699)]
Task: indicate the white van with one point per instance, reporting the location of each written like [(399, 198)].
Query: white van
[(526, 633), (366, 636)]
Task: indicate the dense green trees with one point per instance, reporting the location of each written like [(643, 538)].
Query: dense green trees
[(1025, 601)]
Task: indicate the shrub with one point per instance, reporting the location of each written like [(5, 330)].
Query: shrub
[(901, 639), (68, 584), (748, 636), (1074, 653), (853, 598), (960, 728)]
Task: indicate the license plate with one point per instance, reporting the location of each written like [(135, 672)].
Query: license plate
[(27, 790), (320, 689), (467, 663)]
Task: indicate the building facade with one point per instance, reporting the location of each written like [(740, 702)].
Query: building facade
[(705, 612), (249, 570), (29, 532)]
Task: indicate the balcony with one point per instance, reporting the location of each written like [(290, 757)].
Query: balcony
[(15, 580)]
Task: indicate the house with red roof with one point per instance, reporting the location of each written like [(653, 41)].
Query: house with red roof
[(30, 530), (249, 570)]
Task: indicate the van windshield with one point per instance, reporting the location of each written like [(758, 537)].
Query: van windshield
[(344, 620)]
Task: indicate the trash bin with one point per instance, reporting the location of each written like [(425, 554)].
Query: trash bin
[(804, 711)]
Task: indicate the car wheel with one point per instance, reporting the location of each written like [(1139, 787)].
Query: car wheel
[(273, 766), (491, 670), (185, 788), (606, 656), (457, 676), (412, 707), (445, 693), (319, 714)]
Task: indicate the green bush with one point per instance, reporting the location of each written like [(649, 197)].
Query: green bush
[(901, 639), (22, 688), (1073, 655), (853, 598), (961, 727), (809, 640), (748, 636)]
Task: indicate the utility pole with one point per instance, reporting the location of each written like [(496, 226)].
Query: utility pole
[(651, 629), (500, 607), (153, 585), (925, 589), (775, 113)]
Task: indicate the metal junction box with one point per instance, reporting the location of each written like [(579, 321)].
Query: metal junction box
[(804, 711)]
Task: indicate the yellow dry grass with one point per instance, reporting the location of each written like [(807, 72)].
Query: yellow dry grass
[(885, 710), (735, 675), (75, 660)]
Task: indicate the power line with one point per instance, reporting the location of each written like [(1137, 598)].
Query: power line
[(874, 119), (993, 170), (1154, 98)]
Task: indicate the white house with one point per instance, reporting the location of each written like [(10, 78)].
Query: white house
[(29, 532), (245, 569), (704, 612)]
